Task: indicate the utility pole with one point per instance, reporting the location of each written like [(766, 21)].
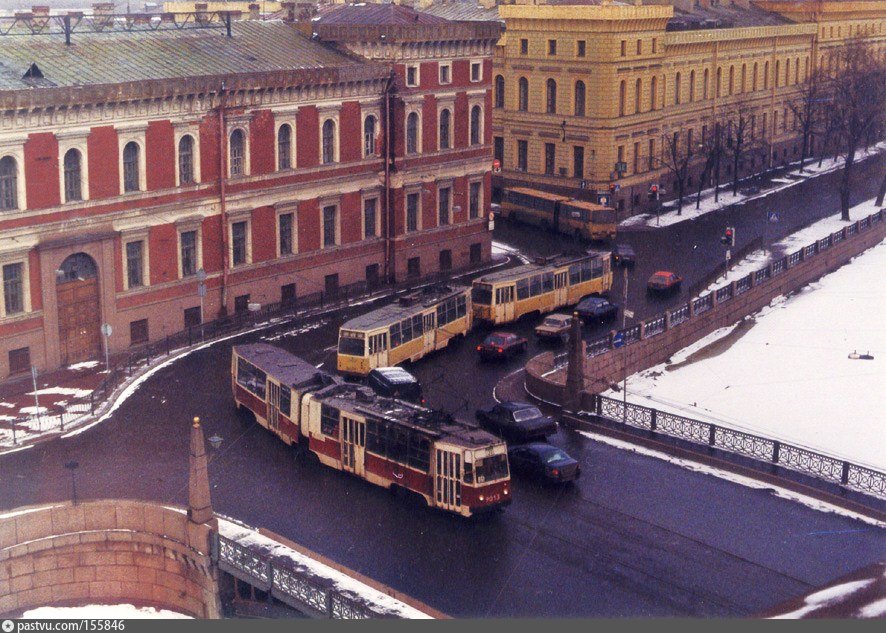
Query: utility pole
[(624, 357)]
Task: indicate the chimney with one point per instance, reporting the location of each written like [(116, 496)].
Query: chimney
[(41, 15), (254, 11), (102, 12)]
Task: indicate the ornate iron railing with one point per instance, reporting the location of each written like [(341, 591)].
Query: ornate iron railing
[(297, 588), (826, 467), (743, 285), (632, 334), (824, 243), (703, 304), (761, 275), (654, 326), (679, 315), (794, 258), (598, 346), (724, 293), (779, 266), (852, 229), (810, 250)]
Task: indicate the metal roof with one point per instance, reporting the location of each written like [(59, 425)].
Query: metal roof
[(398, 311), (464, 10), (286, 368), (121, 57), (529, 269), (371, 14)]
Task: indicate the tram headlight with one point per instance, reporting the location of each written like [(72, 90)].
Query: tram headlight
[(482, 498)]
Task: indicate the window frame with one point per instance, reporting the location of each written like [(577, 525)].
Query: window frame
[(448, 108), (481, 136), (417, 192), (191, 129), (279, 211), (325, 118), (130, 237), (245, 159), (290, 156), (418, 132), (417, 69), (445, 186), (373, 196), (447, 66), (324, 204), (478, 64), (246, 220), (124, 137), (188, 226), (370, 151), (68, 141), (21, 259), (478, 183)]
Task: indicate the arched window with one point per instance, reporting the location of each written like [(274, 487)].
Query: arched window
[(806, 70), (445, 125), (691, 86), (8, 183), (412, 133), (706, 82), (369, 136), (73, 176), (766, 76), (579, 98), (638, 95), (130, 167), (328, 141), (677, 83), (237, 151), (186, 160), (744, 78), (797, 70), (621, 99), (787, 72), (653, 93), (777, 71), (523, 95), (476, 135), (284, 147), (551, 96), (731, 79), (719, 81), (754, 78), (499, 91)]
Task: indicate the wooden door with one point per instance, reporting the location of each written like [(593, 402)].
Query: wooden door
[(79, 320)]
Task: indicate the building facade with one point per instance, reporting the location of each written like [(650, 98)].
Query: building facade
[(587, 96), (135, 163)]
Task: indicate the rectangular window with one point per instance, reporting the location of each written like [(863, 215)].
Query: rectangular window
[(285, 222), (446, 259), (552, 47), (444, 196), (651, 158), (445, 76), (636, 157), (524, 47), (241, 304), (238, 243), (639, 47), (188, 253), (624, 48), (476, 71), (372, 275), (13, 289), (287, 294), (330, 285), (138, 332), (135, 264), (580, 49), (476, 254), (329, 420), (522, 155), (193, 317), (369, 217), (498, 149), (412, 210), (550, 158), (413, 268), (19, 360), (474, 200), (578, 161), (412, 76), (329, 218)]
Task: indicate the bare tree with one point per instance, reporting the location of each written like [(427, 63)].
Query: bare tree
[(678, 152), (858, 92), (809, 108), (742, 138), (712, 149)]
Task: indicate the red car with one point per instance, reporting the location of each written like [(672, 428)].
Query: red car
[(502, 345), (664, 281)]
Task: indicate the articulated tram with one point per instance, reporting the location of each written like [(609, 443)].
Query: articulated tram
[(415, 326), (505, 296), (453, 465), (563, 214)]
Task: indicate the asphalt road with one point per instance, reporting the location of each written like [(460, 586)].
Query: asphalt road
[(634, 537)]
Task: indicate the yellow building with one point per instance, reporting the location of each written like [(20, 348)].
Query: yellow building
[(585, 94)]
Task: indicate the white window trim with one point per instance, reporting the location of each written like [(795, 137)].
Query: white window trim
[(16, 149), (124, 137), (365, 114), (471, 104), (478, 62), (183, 226), (420, 132), (446, 105), (333, 114), (247, 167), (418, 190), (370, 195), (283, 209), (481, 212), (290, 121), (333, 202), (236, 218), (68, 141), (194, 133), (136, 236), (16, 257), (440, 67), (446, 184), (417, 68)]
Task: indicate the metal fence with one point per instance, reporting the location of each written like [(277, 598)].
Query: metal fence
[(302, 591), (828, 468)]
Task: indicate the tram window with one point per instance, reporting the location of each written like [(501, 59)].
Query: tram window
[(329, 420), (376, 439), (535, 285), (251, 378), (469, 473), (378, 343), (522, 289), (397, 444), (450, 310), (419, 452), (351, 343), (285, 400), (406, 330), (396, 339), (482, 294), (417, 326), (547, 282), (596, 268), (574, 274), (491, 468)]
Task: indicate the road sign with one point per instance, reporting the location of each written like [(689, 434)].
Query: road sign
[(618, 340), (106, 329), (201, 290), (773, 216), (616, 187), (629, 313)]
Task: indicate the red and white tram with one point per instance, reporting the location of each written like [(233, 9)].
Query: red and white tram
[(454, 465)]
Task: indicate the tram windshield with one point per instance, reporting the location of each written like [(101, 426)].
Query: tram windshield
[(351, 343), (489, 469)]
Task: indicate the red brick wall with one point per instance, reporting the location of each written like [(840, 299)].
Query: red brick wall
[(429, 75), (41, 171), (209, 148), (36, 285), (264, 233), (351, 132), (461, 72), (212, 244), (350, 210), (308, 225), (429, 124), (160, 155), (262, 143), (307, 137), (163, 243), (104, 171)]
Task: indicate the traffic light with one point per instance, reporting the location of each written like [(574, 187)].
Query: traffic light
[(653, 192), (612, 187), (729, 236)]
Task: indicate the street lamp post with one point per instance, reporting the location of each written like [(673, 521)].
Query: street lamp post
[(624, 318), (72, 466), (201, 290)]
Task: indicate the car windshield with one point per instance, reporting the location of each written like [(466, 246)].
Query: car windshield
[(555, 455), (530, 413), (554, 322), (497, 340), (590, 303), (659, 277), (491, 468)]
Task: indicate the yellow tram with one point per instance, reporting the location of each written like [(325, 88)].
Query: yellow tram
[(505, 296), (408, 330), (552, 211)]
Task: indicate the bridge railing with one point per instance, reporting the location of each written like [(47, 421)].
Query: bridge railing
[(826, 467), (299, 589)]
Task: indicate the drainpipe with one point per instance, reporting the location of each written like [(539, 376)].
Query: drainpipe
[(389, 217), (222, 178)]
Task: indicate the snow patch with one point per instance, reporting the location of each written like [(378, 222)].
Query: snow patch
[(61, 391), (824, 597), (500, 248), (88, 364)]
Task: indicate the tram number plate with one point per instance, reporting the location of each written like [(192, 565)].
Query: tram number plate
[(493, 498)]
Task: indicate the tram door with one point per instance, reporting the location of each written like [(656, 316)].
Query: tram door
[(505, 304), (378, 350), (561, 288), (353, 441), (273, 406), (429, 325), (447, 481)]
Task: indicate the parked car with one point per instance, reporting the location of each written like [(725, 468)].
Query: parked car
[(554, 327), (624, 255), (516, 421), (596, 309), (502, 345), (395, 382), (543, 461), (664, 281)]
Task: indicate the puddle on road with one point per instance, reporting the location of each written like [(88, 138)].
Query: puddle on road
[(718, 347)]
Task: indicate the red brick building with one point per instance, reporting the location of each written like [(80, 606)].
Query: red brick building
[(136, 156)]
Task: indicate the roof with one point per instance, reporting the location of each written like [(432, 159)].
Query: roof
[(529, 269), (121, 57), (538, 193), (464, 10), (414, 304), (396, 375), (286, 368), (371, 14), (723, 17), (516, 406)]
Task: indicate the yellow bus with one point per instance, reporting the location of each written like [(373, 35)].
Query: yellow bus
[(505, 296), (583, 220), (405, 331)]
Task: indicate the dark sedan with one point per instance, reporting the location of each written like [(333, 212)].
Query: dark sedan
[(517, 421), (545, 462), (596, 309), (624, 255), (502, 345)]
